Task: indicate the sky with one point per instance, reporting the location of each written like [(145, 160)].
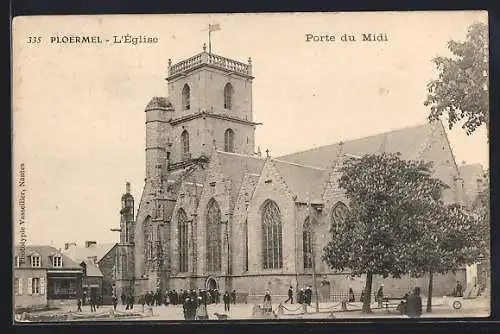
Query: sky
[(78, 116)]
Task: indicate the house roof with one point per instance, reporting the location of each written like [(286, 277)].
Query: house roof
[(407, 141), (306, 182), (92, 269), (82, 253), (46, 253)]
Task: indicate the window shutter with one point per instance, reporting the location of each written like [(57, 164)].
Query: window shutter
[(30, 286), (20, 285), (42, 285)]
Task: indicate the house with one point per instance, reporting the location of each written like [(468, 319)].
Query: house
[(98, 262), (44, 276)]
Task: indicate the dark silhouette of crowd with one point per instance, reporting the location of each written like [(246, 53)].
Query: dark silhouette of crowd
[(304, 296)]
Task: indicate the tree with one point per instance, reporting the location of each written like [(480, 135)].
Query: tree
[(388, 197), (449, 237), (461, 91)]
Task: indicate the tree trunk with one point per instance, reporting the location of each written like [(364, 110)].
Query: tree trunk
[(368, 293), (429, 294)]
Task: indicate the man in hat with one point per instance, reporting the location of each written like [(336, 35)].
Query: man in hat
[(308, 296), (227, 301)]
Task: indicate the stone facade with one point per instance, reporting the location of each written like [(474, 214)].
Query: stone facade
[(302, 185), (23, 293), (44, 276)]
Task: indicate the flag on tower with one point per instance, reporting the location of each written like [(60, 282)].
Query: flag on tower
[(211, 28), (214, 27)]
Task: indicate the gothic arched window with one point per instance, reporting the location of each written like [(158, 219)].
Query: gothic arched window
[(185, 144), (307, 244), (338, 215), (229, 140), (272, 236), (228, 96), (182, 227), (186, 97), (214, 246)]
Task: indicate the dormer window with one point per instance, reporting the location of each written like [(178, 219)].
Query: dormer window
[(57, 261), (36, 261)]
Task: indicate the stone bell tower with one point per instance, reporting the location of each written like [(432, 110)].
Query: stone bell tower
[(212, 101)]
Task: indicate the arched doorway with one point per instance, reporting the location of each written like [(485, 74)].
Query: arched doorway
[(211, 283)]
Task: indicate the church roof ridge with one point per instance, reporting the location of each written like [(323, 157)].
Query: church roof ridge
[(298, 165), (240, 155), (389, 132)]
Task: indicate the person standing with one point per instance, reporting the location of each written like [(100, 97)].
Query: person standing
[(201, 312), (308, 296), (123, 297), (414, 304), (268, 306), (79, 305), (300, 296), (351, 295), (380, 296), (115, 301), (131, 301), (227, 301), (92, 303), (290, 295), (185, 308), (459, 290), (233, 296)]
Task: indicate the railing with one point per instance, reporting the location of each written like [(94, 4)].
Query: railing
[(210, 59)]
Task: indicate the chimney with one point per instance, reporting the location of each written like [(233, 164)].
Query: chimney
[(89, 243), (67, 245), (127, 187)]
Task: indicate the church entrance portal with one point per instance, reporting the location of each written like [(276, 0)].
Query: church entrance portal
[(211, 283)]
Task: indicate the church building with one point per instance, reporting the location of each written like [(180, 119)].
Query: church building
[(214, 213)]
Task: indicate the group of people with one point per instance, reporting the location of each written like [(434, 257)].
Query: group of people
[(195, 302), (411, 305), (94, 301), (304, 296)]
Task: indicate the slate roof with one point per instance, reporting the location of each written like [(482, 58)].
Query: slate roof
[(92, 269), (408, 141), (82, 253), (234, 166), (46, 253), (306, 182)]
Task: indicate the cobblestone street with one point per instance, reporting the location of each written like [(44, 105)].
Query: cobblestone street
[(470, 308)]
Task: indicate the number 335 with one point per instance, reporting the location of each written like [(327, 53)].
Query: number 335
[(34, 39)]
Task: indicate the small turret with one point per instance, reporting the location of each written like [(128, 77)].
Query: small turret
[(127, 216)]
